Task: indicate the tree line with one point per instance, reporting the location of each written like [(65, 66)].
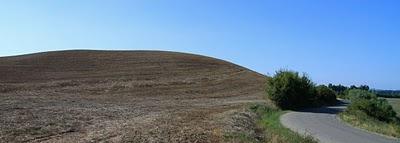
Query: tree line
[(342, 90), (387, 93)]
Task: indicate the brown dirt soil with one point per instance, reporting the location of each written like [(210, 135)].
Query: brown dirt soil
[(122, 96)]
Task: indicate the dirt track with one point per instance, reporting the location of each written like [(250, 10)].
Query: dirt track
[(124, 96)]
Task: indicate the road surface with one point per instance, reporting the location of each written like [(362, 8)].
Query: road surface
[(324, 125)]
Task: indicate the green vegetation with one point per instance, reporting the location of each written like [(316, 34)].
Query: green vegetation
[(361, 120), (290, 90), (342, 90), (240, 137), (266, 128), (369, 112), (339, 89), (369, 103), (387, 93), (274, 130), (355, 94), (395, 102), (325, 95)]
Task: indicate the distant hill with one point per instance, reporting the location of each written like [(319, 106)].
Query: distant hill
[(122, 96)]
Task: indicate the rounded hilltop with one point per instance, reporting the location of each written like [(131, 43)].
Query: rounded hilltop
[(138, 96)]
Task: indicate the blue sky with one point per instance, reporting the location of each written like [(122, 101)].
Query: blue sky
[(338, 41)]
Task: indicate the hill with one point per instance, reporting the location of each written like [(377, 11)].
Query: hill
[(122, 96)]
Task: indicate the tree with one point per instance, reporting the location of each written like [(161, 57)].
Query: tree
[(364, 87), (339, 89), (289, 90)]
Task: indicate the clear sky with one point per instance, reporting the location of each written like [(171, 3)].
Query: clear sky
[(338, 41)]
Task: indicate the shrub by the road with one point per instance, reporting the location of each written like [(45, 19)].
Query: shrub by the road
[(371, 105), (290, 90), (325, 95), (355, 94), (368, 111)]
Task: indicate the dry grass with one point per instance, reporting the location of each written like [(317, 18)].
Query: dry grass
[(363, 121), (103, 96)]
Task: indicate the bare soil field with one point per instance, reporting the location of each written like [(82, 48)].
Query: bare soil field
[(124, 96)]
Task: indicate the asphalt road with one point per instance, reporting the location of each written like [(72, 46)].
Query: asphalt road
[(324, 125)]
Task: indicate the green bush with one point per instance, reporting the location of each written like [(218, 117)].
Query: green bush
[(289, 90), (354, 94), (368, 103), (325, 95)]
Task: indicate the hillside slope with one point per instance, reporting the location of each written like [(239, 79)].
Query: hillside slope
[(114, 96)]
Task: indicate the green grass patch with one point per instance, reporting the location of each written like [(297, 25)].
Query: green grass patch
[(240, 138), (361, 120), (274, 130)]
